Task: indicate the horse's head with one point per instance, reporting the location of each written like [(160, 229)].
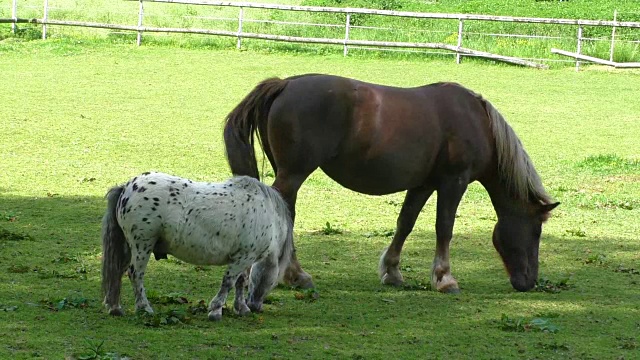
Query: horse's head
[(517, 239)]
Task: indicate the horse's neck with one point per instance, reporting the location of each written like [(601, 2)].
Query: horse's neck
[(503, 200)]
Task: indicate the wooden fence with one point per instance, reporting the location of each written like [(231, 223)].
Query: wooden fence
[(346, 41)]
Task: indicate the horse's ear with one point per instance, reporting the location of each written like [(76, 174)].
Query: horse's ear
[(545, 210)]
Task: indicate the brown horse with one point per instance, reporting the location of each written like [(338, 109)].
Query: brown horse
[(379, 140)]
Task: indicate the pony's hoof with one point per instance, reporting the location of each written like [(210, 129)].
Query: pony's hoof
[(215, 315), (450, 290), (116, 312), (243, 310), (255, 307), (392, 280)]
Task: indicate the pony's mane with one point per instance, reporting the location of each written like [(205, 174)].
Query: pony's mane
[(515, 167)]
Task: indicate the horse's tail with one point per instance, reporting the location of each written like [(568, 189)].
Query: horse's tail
[(245, 122), (116, 255), (514, 165)]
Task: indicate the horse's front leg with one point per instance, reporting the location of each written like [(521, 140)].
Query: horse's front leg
[(389, 267), (450, 193)]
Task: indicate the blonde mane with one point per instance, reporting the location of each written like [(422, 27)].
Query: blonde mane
[(515, 167)]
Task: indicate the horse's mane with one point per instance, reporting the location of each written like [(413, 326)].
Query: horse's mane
[(515, 167)]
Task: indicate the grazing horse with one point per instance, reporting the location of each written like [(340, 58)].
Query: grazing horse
[(241, 222), (378, 140)]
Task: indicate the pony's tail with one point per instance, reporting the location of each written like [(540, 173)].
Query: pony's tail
[(514, 165), (243, 123), (116, 255)]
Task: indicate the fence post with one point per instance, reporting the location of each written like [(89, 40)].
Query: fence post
[(140, 16), (346, 34), (14, 15), (460, 26), (240, 19), (613, 35), (579, 46), (45, 17)]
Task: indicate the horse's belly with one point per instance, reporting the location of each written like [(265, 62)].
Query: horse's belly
[(379, 177)]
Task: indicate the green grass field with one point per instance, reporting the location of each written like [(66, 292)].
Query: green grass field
[(78, 118)]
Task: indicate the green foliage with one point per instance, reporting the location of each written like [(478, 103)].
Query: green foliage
[(65, 303), (94, 351), (165, 318), (309, 295), (519, 324), (328, 229), (545, 285)]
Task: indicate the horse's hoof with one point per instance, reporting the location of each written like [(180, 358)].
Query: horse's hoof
[(447, 285), (390, 280), (215, 316)]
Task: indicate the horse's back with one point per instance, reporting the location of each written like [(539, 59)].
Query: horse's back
[(380, 139)]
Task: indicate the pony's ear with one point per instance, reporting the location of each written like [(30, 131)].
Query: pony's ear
[(545, 210)]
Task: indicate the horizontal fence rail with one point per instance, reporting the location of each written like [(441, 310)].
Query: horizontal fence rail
[(417, 15), (458, 50)]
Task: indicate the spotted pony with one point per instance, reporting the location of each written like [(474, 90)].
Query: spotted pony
[(241, 222)]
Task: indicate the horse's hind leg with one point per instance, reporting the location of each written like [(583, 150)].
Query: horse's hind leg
[(450, 193), (139, 260), (240, 304), (263, 278), (288, 186), (230, 278), (389, 269)]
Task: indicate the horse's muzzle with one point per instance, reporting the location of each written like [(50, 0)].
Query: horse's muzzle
[(522, 282)]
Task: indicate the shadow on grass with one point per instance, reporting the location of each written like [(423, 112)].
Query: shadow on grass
[(42, 230)]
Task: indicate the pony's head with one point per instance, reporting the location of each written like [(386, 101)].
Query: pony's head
[(516, 237)]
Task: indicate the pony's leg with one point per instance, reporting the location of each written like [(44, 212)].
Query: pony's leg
[(263, 278), (450, 193), (414, 201), (288, 187), (228, 280), (240, 304), (139, 260)]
